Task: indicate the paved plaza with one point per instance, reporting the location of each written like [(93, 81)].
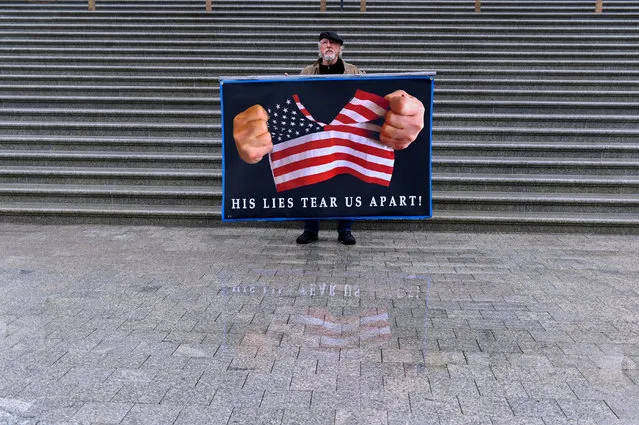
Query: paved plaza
[(238, 325)]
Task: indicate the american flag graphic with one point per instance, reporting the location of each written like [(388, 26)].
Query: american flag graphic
[(325, 331), (306, 151)]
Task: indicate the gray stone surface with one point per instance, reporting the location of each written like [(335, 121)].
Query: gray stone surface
[(238, 325)]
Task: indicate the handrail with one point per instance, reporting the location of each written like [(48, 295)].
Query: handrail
[(598, 6)]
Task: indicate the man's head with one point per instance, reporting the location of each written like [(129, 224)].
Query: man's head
[(330, 47)]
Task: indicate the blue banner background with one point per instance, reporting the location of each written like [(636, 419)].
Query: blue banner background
[(249, 190)]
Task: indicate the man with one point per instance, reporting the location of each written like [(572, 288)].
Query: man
[(330, 60), (401, 126)]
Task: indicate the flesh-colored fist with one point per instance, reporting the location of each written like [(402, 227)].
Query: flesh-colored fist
[(251, 134), (403, 121)]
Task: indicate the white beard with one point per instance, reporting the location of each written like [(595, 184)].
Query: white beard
[(329, 57)]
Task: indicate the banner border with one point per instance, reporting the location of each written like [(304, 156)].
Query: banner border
[(339, 77)]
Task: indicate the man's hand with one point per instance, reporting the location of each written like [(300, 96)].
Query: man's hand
[(251, 134), (403, 121)]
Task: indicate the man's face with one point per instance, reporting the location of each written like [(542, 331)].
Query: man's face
[(329, 50)]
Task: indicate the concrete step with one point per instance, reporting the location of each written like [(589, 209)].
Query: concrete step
[(200, 131), (124, 116), (352, 29), (126, 102), (91, 156), (474, 101), (191, 176), (140, 145), (583, 84), (562, 109), (544, 121), (22, 96), (206, 216), (209, 120), (206, 110), (25, 91), (538, 149), (142, 197), (446, 88), (357, 38), (87, 195), (53, 150), (245, 13), (548, 184), (607, 75), (204, 130), (109, 129), (412, 4), (539, 166), (355, 31), (187, 46), (179, 82), (97, 159), (603, 100), (110, 176), (349, 7), (311, 11), (110, 214), (525, 202), (201, 77), (88, 63), (531, 221), (359, 54), (535, 134), (352, 10)]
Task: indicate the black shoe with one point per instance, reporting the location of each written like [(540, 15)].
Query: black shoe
[(346, 238), (306, 237)]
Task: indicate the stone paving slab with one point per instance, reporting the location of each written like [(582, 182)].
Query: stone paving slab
[(238, 325)]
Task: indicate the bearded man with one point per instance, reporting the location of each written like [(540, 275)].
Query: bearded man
[(330, 60)]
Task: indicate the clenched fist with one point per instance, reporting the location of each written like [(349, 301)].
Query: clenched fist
[(403, 121), (251, 134)]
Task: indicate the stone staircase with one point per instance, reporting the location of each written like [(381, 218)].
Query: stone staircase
[(112, 116)]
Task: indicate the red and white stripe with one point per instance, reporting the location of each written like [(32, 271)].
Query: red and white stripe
[(348, 145)]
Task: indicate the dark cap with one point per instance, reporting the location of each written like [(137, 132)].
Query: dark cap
[(330, 35)]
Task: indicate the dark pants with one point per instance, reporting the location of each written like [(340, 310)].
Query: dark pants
[(314, 225)]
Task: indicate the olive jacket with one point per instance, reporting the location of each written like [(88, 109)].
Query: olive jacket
[(314, 68)]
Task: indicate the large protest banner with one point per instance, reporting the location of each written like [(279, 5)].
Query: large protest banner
[(327, 161)]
